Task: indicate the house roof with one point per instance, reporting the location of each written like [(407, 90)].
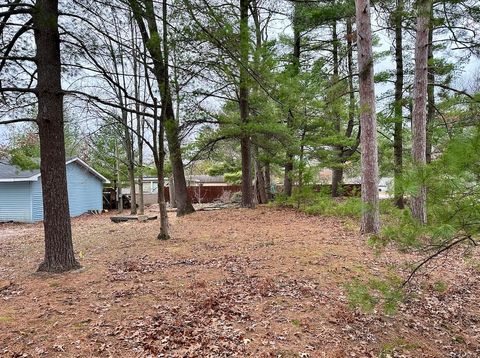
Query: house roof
[(9, 172), (12, 173)]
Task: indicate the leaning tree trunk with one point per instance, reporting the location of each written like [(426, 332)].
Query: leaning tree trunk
[(182, 199), (369, 158), (245, 143), (170, 124), (398, 107), (160, 68), (59, 254), (419, 114)]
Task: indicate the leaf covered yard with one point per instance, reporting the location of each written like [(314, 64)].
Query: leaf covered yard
[(232, 283)]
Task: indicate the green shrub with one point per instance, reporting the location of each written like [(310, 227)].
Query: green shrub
[(387, 292), (233, 178), (319, 203)]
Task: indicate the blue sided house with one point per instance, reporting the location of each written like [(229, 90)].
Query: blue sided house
[(21, 191)]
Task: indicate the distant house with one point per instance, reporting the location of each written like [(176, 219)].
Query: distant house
[(21, 191)]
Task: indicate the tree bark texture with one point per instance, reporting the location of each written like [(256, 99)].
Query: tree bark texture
[(268, 182), (171, 192), (140, 125), (297, 43), (245, 143), (430, 94), (260, 180), (369, 157), (164, 228), (419, 113), (398, 107), (59, 254), (128, 145), (160, 68), (118, 182), (159, 158), (337, 172)]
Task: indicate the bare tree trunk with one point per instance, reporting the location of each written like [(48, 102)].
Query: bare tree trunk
[(260, 192), (130, 163), (171, 192), (351, 88), (160, 64), (59, 254), (268, 182), (419, 114), (140, 124), (337, 179), (141, 204), (301, 157), (159, 157), (370, 214), (337, 172), (247, 192), (259, 180), (287, 179), (164, 229), (348, 152), (125, 130), (119, 179), (288, 166), (398, 126), (431, 95)]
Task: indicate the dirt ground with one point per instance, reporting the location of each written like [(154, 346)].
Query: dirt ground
[(231, 283)]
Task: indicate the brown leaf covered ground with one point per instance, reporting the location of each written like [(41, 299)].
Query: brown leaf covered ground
[(231, 283)]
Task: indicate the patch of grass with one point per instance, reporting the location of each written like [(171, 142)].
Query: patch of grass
[(350, 207), (398, 344), (318, 203), (386, 293), (81, 325), (285, 354), (5, 319), (440, 286), (474, 263), (296, 322), (360, 296)]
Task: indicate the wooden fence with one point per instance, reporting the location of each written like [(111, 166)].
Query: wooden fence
[(207, 194)]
